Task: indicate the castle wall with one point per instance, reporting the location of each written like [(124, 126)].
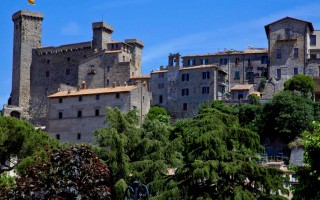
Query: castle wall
[(50, 68)]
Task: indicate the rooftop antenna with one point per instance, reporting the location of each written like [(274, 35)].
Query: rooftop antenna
[(102, 16)]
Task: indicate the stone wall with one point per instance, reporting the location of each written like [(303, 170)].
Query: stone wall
[(71, 125), (27, 35)]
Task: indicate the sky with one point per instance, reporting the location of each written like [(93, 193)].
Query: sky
[(165, 26)]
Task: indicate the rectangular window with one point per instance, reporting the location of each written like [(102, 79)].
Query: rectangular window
[(185, 92), (249, 75), (47, 74), (185, 106), (236, 75), (60, 115), (117, 95), (278, 53), (295, 52), (67, 72), (60, 100), (288, 33), (313, 39), (240, 95), (80, 98), (97, 97), (160, 75), (237, 61), (97, 112), (249, 62), (79, 113), (295, 71), (48, 61), (160, 99), (205, 90), (68, 59), (191, 62), (319, 71), (160, 85), (278, 73), (264, 59), (223, 61), (79, 136), (185, 77), (58, 136), (205, 75), (204, 61)]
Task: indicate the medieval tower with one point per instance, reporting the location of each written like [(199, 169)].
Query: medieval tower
[(27, 36)]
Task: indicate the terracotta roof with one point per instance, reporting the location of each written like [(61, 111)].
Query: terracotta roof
[(93, 91), (256, 93), (112, 51), (266, 27), (242, 87), (197, 67), (251, 51), (235, 52), (159, 71), (139, 77)]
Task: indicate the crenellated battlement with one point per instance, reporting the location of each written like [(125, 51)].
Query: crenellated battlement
[(27, 14), (63, 48)]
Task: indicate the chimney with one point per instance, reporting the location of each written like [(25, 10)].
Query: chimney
[(83, 85), (125, 83), (69, 91), (78, 88), (114, 84)]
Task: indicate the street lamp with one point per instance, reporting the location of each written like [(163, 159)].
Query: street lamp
[(136, 192)]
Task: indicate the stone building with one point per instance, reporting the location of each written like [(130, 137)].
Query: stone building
[(206, 77), (182, 90), (294, 48), (39, 71), (74, 114)]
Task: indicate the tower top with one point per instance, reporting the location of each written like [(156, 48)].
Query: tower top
[(25, 13), (102, 25)]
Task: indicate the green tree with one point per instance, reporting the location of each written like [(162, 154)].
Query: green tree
[(69, 173), (300, 83), (286, 116), (145, 153), (309, 174), (219, 160), (19, 141), (158, 113)]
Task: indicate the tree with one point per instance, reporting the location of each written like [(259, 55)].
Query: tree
[(286, 116), (219, 161), (69, 173), (145, 153), (309, 174), (19, 141), (300, 83)]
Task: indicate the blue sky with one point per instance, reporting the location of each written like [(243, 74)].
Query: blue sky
[(188, 27)]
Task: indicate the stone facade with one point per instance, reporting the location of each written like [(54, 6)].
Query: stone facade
[(182, 90), (39, 71), (75, 114), (294, 48)]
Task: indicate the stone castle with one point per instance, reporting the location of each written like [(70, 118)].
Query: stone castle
[(100, 63), (62, 87)]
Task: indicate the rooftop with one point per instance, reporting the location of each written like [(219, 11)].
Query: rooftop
[(197, 67), (242, 87), (82, 92)]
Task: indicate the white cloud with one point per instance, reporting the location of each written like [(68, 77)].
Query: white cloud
[(71, 29)]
